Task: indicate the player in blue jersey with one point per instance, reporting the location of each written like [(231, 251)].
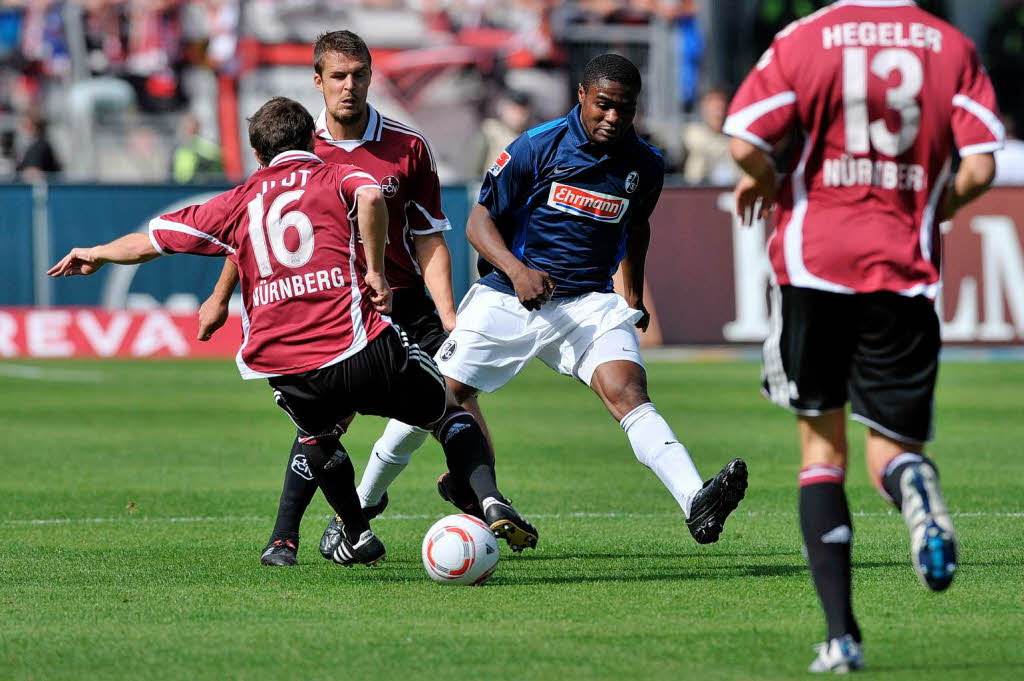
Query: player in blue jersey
[(563, 207)]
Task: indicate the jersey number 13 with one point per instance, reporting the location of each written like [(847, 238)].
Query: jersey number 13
[(862, 134)]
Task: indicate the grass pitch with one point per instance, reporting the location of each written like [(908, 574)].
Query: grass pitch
[(135, 499)]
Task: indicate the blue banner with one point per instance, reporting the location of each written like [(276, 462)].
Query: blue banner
[(84, 215), (16, 245)]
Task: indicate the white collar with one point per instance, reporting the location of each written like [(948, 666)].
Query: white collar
[(374, 124), (294, 155)]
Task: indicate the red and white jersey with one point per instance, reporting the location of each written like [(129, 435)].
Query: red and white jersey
[(401, 161), (882, 90), (291, 230)]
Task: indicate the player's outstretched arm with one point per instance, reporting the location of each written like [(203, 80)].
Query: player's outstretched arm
[(214, 310), (632, 266), (131, 249), (973, 179), (755, 190), (372, 213), (435, 262), (533, 287)]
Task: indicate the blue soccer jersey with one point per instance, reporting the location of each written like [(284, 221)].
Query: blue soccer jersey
[(565, 206)]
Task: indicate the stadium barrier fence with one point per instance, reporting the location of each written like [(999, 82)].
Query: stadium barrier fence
[(706, 276)]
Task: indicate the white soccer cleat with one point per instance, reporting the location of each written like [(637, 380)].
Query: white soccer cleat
[(933, 545), (838, 656)]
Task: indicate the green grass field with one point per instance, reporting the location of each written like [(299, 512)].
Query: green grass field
[(135, 498)]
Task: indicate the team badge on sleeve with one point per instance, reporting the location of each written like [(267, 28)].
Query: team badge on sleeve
[(632, 180), (499, 163), (447, 350)]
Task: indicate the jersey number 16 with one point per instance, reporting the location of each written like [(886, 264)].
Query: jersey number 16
[(277, 224)]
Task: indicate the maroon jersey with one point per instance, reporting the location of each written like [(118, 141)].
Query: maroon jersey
[(882, 90), (291, 230), (401, 161)]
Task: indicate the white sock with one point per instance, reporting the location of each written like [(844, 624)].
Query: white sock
[(656, 447), (391, 454)]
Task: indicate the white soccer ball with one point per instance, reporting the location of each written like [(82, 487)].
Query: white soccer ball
[(460, 549)]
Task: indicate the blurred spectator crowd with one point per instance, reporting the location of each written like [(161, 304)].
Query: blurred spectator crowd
[(145, 73)]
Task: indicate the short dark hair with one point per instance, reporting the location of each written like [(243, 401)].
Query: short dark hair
[(341, 42), (280, 125), (613, 67)]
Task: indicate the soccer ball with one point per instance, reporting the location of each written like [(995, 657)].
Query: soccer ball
[(460, 549)]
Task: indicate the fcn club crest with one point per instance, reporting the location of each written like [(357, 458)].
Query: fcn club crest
[(389, 185), (301, 467), (632, 180)]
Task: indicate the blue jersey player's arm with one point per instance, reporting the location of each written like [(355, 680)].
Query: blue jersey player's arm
[(506, 188), (638, 239)]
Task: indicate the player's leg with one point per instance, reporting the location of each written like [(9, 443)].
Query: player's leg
[(418, 391), (393, 451), (827, 529), (807, 358), (613, 369), (450, 487), (298, 490), (334, 474), (471, 467), (416, 319), (892, 392), (495, 339), (312, 401)]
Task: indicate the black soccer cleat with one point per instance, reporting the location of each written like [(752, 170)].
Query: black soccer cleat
[(465, 502), (716, 500), (280, 552), (332, 533), (367, 551), (331, 538), (506, 523)]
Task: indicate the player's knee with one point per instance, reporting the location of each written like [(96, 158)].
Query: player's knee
[(320, 450), (457, 422), (624, 397), (459, 392)]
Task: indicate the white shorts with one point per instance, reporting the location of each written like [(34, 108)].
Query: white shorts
[(495, 337)]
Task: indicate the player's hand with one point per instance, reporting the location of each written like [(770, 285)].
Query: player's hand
[(380, 294), (212, 315), (533, 287), (78, 261), (755, 197), (645, 320)]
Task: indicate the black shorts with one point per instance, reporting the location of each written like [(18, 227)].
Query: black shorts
[(880, 350), (389, 377), (415, 313)]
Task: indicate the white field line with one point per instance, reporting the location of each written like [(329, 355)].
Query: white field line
[(33, 373), (428, 516)]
